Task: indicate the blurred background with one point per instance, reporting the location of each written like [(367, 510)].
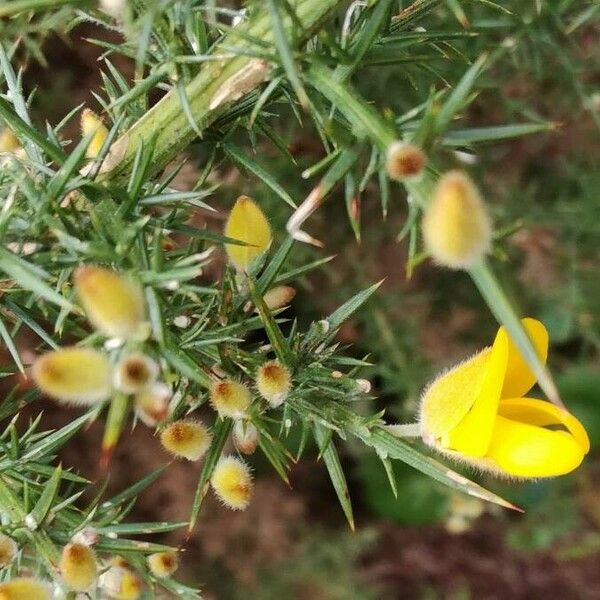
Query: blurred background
[(543, 190)]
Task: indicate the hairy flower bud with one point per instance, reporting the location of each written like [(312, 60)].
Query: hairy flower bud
[(78, 566), (8, 550), (152, 404), (248, 224), (274, 382), (230, 398), (8, 141), (245, 437), (24, 588), (91, 124), (121, 583), (186, 438), (134, 372), (75, 375), (456, 225), (114, 303), (232, 482), (163, 564), (279, 296), (405, 161)]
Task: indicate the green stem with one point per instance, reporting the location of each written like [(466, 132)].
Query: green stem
[(216, 87)]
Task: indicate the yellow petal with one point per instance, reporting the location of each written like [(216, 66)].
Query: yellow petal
[(544, 414), (114, 304), (24, 588), (77, 375), (448, 399), (524, 450), (473, 434), (248, 224), (519, 376), (91, 124)]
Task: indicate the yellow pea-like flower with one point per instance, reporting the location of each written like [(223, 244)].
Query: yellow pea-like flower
[(274, 382), (186, 438), (232, 482), (78, 566), (163, 564), (121, 583), (405, 161), (8, 550), (457, 229), (477, 412), (91, 123), (248, 224), (24, 588), (230, 398), (113, 302), (74, 375)]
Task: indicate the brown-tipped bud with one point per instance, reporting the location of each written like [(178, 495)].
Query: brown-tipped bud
[(163, 564), (186, 438), (91, 124), (152, 404), (279, 296), (121, 583), (456, 226), (25, 588), (230, 398), (274, 382), (134, 372), (113, 302), (78, 567), (245, 437), (405, 161), (247, 223), (8, 141), (8, 550), (232, 482), (75, 375)]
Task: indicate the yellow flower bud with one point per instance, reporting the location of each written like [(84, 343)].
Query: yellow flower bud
[(24, 588), (78, 566), (186, 438), (230, 398), (163, 564), (248, 224), (405, 161), (245, 436), (121, 583), (456, 225), (8, 550), (114, 303), (152, 404), (76, 375), (274, 382), (135, 372), (8, 141), (91, 123), (279, 296), (232, 482)]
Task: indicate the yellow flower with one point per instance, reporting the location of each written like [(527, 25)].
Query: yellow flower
[(91, 123), (232, 482), (114, 304), (24, 588), (230, 398), (78, 566), (477, 412), (8, 550), (274, 382), (248, 224), (186, 438), (8, 141), (163, 564), (456, 226), (75, 375)]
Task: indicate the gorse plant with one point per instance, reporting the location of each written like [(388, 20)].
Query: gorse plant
[(101, 259)]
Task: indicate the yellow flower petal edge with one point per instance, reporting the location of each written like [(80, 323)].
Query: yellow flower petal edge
[(248, 224), (469, 414)]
